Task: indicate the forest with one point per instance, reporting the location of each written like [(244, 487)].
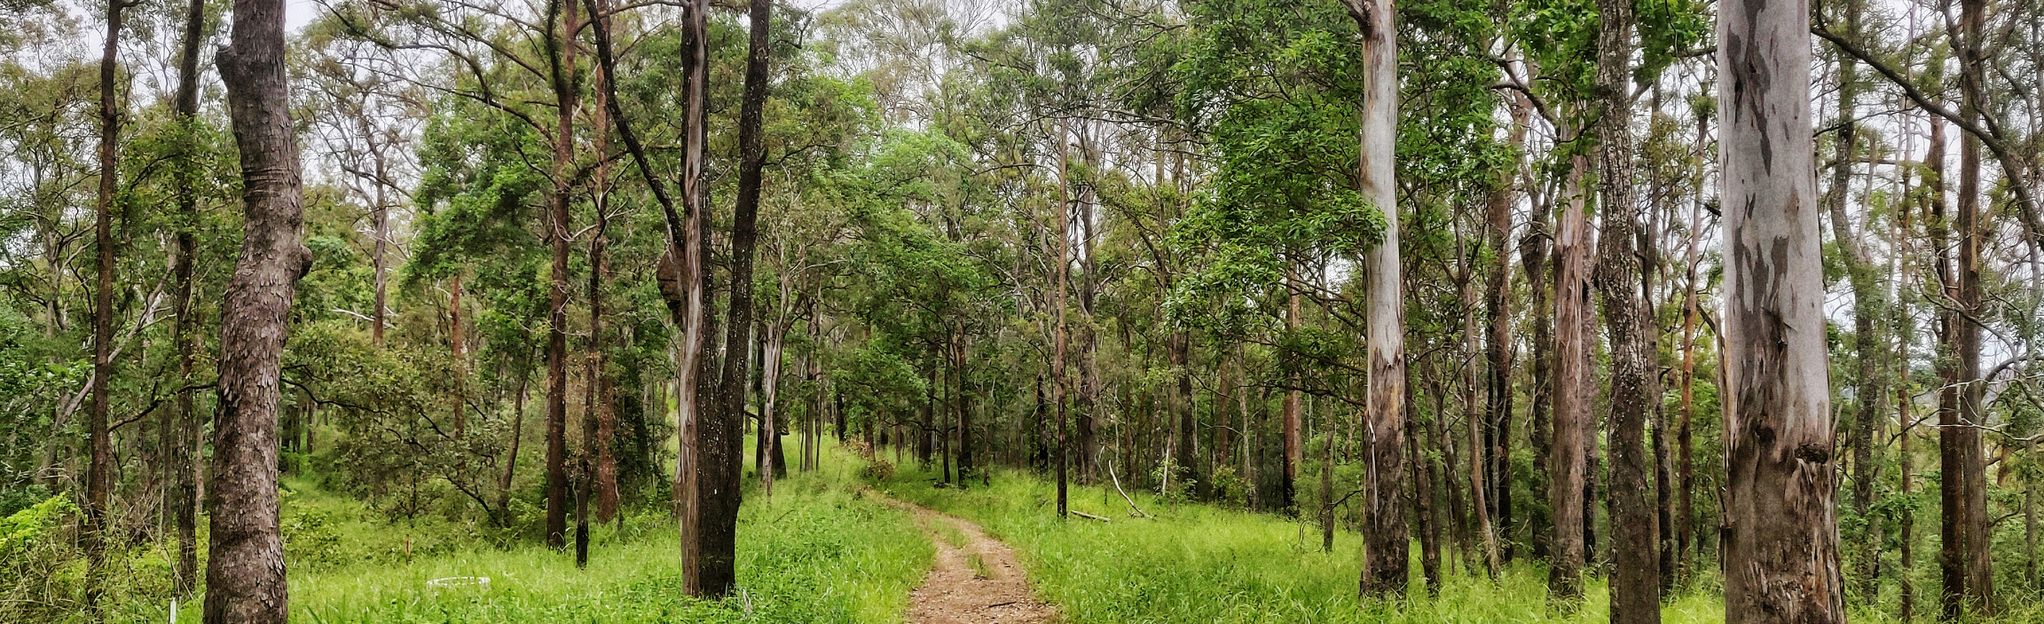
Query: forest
[(1036, 311)]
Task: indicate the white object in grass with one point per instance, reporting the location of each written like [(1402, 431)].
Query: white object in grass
[(479, 582)]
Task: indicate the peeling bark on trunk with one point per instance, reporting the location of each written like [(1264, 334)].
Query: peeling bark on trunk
[(245, 580), (1384, 524), (1781, 536), (1567, 456), (682, 274)]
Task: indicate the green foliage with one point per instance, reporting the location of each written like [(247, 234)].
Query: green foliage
[(33, 525)]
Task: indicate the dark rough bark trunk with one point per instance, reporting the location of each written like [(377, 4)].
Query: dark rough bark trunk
[(1384, 525), (722, 434), (1060, 274), (1288, 482), (1454, 513), (1636, 582), (1781, 536), (181, 429), (967, 464), (1902, 322), (1906, 531), (566, 95), (1188, 438), (1953, 530), (1972, 409), (379, 217), (245, 580), (1327, 491), (1423, 503), (1223, 421), (99, 481), (1567, 456), (599, 269)]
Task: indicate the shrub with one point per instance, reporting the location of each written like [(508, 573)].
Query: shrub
[(876, 470)]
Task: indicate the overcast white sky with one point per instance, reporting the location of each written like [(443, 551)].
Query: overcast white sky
[(298, 13)]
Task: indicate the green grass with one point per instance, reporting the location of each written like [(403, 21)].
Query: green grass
[(1197, 563), (818, 551)]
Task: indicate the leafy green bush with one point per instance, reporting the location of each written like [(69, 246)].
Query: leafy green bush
[(33, 525), (37, 564), (876, 470)]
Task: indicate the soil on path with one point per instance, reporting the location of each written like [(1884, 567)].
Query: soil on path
[(978, 582)]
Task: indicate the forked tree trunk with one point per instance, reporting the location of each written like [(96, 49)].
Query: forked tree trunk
[(1635, 391), (1781, 536), (1384, 524), (517, 438), (245, 580), (683, 283), (722, 436)]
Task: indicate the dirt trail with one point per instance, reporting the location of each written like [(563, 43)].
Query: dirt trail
[(978, 582)]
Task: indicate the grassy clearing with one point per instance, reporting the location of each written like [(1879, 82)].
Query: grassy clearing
[(818, 551), (1200, 564)]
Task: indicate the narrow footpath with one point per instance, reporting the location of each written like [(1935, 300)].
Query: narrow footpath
[(975, 578)]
